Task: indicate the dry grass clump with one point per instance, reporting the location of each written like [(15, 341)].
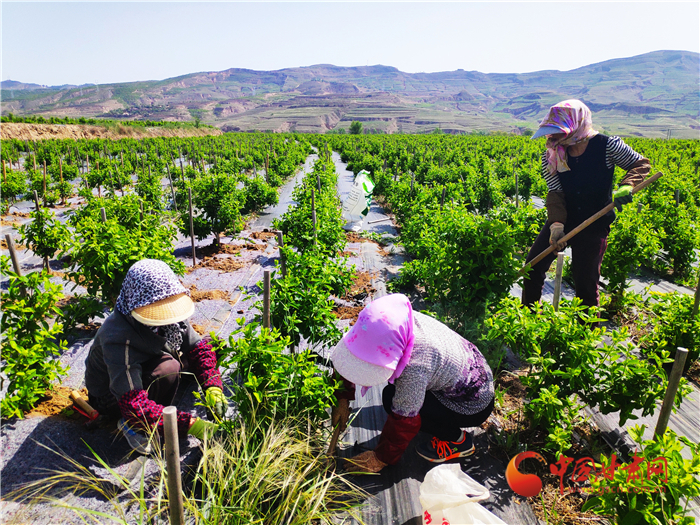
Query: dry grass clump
[(256, 473)]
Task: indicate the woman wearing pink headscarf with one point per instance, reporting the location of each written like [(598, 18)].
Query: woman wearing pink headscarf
[(578, 166), (438, 382)]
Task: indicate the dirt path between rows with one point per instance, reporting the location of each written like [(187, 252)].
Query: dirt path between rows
[(22, 131)]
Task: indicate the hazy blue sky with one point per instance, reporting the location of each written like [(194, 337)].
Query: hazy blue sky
[(98, 42)]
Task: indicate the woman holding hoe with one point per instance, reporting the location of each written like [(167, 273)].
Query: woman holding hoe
[(578, 166), (438, 382), (133, 368)]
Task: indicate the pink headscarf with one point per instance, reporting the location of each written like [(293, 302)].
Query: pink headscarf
[(574, 118), (383, 334)]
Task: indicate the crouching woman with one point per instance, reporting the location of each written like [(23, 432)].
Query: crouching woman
[(134, 365), (438, 382)]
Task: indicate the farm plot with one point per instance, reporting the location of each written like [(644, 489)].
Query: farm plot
[(466, 289)]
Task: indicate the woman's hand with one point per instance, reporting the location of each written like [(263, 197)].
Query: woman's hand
[(365, 463)]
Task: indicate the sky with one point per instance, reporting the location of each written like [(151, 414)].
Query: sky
[(55, 43)]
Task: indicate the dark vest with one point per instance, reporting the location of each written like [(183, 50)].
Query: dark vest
[(588, 185)]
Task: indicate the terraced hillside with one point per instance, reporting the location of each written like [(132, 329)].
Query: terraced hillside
[(644, 95)]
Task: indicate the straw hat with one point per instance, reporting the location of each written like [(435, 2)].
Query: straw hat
[(166, 311), (356, 370)]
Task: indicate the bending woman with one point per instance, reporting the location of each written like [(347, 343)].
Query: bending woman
[(133, 368), (438, 382)]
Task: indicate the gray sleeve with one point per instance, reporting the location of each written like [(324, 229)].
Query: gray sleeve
[(125, 373), (411, 386)]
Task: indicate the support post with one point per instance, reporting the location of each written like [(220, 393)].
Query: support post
[(673, 382), (4, 173), (13, 254), (696, 305), (172, 456), (266, 300), (442, 199), (557, 281), (517, 189), (172, 188), (44, 193), (678, 196), (194, 254), (141, 208), (318, 182), (283, 261), (413, 179), (103, 214), (313, 215)]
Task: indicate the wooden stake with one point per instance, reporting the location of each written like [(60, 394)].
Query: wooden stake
[(266, 299), (172, 188), (44, 194), (194, 255), (557, 281), (678, 196), (673, 382), (442, 199), (13, 254), (283, 261), (4, 173), (141, 210), (696, 305), (36, 200), (517, 190), (413, 178), (103, 214), (313, 215), (172, 456)]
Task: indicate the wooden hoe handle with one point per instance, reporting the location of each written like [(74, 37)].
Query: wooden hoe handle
[(585, 224)]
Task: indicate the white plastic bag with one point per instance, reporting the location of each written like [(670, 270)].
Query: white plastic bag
[(448, 496), (357, 203)]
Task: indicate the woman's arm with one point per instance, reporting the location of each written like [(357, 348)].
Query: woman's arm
[(555, 201), (617, 153), (143, 413), (202, 363)]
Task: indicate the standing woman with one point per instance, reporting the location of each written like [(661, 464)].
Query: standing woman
[(134, 365), (578, 166), (438, 382)]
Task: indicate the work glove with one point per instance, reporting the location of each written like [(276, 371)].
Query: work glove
[(556, 232), (216, 401), (202, 429), (365, 463), (340, 414), (622, 196)]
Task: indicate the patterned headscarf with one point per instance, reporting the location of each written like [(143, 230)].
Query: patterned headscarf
[(574, 118), (149, 281), (383, 334)]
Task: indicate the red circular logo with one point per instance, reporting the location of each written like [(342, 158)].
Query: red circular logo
[(526, 485)]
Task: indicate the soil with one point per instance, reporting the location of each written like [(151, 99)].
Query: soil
[(231, 249), (222, 264), (4, 246), (14, 224), (348, 312), (693, 373), (263, 235), (23, 131), (201, 295), (347, 254), (199, 329), (56, 402), (361, 286)]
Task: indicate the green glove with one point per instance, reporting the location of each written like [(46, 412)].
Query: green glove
[(203, 429), (622, 196), (216, 401)]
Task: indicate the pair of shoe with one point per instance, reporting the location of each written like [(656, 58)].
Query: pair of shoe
[(438, 451), (137, 441)]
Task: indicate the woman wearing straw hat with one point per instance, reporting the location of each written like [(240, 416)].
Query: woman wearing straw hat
[(578, 166), (438, 382), (133, 368)]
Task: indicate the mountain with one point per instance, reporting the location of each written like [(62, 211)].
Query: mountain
[(645, 95)]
